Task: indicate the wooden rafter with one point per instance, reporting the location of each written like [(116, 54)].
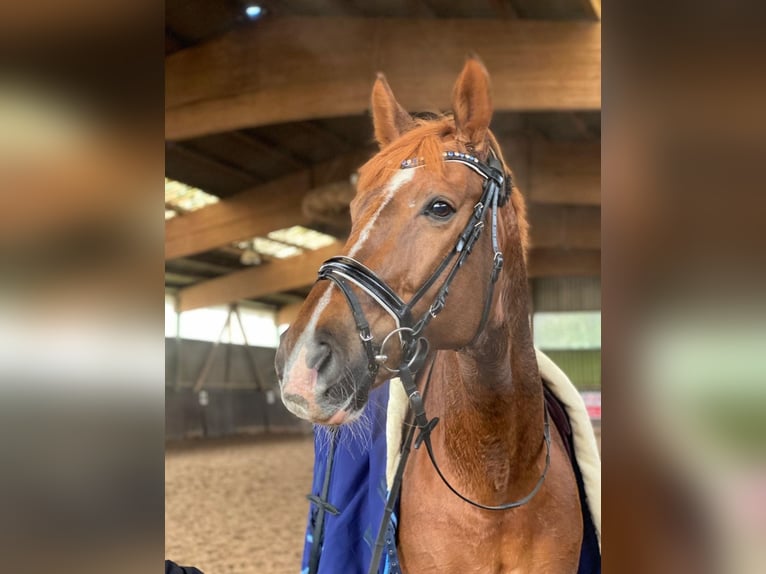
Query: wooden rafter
[(259, 75), (564, 263), (565, 227), (257, 211), (546, 172), (273, 277), (300, 272), (215, 164), (566, 173)]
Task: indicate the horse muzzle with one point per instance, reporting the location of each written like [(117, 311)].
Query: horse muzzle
[(319, 382)]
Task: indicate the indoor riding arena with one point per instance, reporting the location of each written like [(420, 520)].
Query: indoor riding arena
[(267, 121)]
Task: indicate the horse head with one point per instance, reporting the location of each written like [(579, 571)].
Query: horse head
[(409, 211)]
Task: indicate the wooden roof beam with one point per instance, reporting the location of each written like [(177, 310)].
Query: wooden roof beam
[(273, 277), (259, 75), (564, 227), (257, 211), (301, 271), (595, 6), (263, 147), (567, 173), (564, 263), (216, 164), (559, 9)]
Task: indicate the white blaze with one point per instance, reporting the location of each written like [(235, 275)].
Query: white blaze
[(394, 184), (400, 178)]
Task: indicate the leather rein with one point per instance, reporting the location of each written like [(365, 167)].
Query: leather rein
[(345, 271)]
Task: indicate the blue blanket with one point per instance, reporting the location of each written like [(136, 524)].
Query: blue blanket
[(357, 489)]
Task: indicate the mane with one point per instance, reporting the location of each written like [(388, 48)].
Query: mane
[(432, 135)]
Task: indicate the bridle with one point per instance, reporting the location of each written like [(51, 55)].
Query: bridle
[(345, 271)]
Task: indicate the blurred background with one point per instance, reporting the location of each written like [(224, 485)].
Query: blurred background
[(263, 108), (266, 121), (81, 360)]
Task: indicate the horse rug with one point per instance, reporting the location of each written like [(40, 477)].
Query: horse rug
[(354, 468)]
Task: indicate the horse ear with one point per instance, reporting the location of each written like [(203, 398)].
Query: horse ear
[(472, 103), (389, 118)]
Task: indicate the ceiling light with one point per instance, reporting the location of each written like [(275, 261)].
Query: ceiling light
[(253, 11)]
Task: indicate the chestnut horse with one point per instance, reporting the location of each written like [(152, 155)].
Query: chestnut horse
[(484, 383)]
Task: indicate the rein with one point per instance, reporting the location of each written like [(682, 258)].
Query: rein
[(345, 271)]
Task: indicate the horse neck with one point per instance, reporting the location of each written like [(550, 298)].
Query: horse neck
[(491, 402)]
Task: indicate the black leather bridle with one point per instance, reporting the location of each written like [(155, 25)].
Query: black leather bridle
[(345, 271)]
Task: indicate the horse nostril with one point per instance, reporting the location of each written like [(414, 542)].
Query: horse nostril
[(320, 357)]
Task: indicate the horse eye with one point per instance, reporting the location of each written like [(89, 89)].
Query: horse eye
[(440, 209)]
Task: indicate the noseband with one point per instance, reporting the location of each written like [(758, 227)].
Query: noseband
[(345, 271)]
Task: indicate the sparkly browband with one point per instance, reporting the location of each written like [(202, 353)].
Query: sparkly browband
[(493, 169), (417, 161)]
